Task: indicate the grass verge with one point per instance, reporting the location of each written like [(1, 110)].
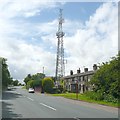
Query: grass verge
[(24, 87), (83, 97)]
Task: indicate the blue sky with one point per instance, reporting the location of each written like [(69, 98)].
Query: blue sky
[(72, 10), (28, 34)]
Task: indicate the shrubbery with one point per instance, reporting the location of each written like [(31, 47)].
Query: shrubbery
[(94, 95), (48, 84), (106, 81), (100, 96)]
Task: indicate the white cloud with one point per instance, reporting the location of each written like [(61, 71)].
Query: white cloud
[(23, 57), (29, 48), (24, 8), (95, 43)]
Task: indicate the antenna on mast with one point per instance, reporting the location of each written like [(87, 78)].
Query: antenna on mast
[(60, 67)]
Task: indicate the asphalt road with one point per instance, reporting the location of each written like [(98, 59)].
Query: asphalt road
[(18, 103)]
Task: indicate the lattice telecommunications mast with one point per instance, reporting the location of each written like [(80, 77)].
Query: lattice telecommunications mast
[(60, 67)]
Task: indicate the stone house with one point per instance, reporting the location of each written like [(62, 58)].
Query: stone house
[(79, 82)]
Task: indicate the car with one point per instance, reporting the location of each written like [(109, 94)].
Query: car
[(31, 90), (10, 87)]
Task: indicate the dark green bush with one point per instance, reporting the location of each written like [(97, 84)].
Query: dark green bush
[(55, 90), (94, 95), (110, 98), (100, 96)]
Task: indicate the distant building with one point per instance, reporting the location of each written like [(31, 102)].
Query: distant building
[(79, 82)]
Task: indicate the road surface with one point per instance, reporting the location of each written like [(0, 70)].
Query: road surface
[(18, 103)]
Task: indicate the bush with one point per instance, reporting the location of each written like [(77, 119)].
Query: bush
[(60, 87), (95, 95), (30, 84), (55, 91), (37, 83), (48, 84), (99, 96), (110, 98)]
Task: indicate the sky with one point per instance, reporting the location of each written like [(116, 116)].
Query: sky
[(28, 35)]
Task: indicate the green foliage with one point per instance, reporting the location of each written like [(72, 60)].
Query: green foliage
[(60, 87), (110, 98), (15, 83), (30, 84), (6, 79), (106, 80), (48, 85), (27, 79), (95, 95), (37, 83), (38, 76)]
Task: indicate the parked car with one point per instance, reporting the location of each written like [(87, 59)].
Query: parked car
[(31, 90), (10, 87)]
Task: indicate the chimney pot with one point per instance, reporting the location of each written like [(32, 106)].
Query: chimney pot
[(85, 69), (78, 71), (94, 67), (71, 72)]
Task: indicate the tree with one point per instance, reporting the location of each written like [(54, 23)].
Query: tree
[(106, 79), (30, 84), (15, 83), (48, 84), (37, 83), (6, 78), (38, 76), (28, 78), (36, 80)]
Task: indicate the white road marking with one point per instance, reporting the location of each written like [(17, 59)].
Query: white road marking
[(17, 92), (48, 106), (76, 118), (30, 98)]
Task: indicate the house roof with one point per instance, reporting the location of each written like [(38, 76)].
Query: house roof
[(80, 74)]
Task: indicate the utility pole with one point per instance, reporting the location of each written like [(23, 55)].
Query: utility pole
[(60, 67), (43, 70)]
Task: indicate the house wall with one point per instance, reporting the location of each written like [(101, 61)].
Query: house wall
[(78, 83)]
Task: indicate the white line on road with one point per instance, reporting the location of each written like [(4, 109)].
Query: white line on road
[(48, 106), (17, 92), (76, 118), (30, 98)]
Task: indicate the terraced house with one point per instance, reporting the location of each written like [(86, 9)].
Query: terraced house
[(79, 82)]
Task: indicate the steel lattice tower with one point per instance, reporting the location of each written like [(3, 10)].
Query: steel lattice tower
[(60, 68)]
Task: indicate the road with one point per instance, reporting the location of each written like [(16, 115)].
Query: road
[(18, 103)]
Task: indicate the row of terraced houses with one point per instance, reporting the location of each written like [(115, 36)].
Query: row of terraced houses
[(79, 82)]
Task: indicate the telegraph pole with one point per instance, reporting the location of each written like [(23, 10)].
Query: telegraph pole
[(60, 67), (43, 70)]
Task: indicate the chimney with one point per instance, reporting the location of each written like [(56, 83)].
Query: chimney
[(94, 67), (85, 69), (71, 72), (78, 71)]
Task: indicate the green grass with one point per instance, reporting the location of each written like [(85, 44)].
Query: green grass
[(24, 87), (85, 98)]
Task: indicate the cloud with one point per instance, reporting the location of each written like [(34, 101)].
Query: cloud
[(96, 42), (31, 46), (17, 37), (25, 8)]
